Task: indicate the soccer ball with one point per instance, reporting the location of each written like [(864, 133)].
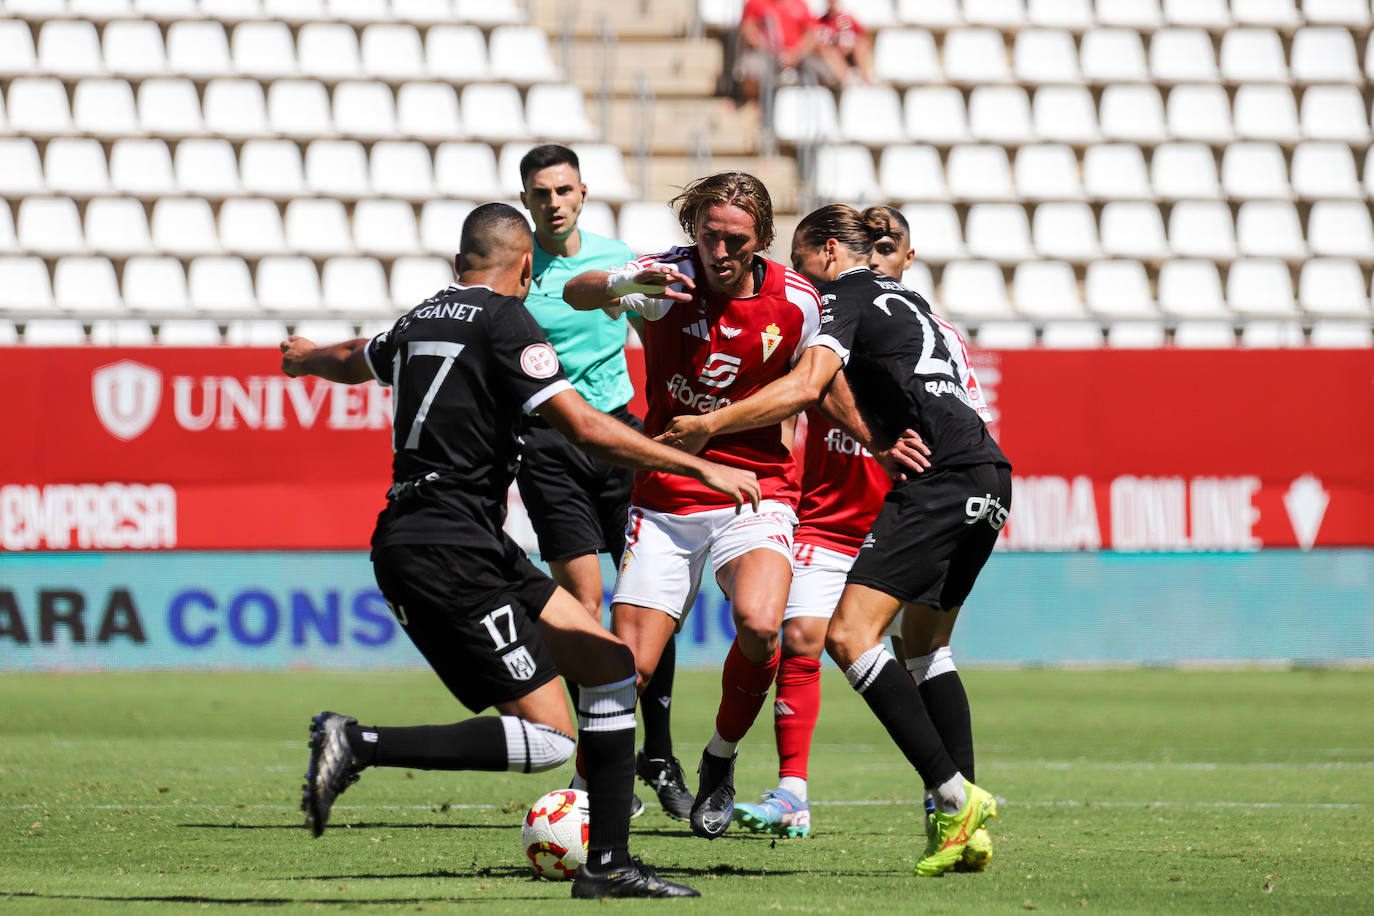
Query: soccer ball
[(554, 834)]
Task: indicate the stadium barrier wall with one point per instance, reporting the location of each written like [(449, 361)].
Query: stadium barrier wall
[(210, 610)]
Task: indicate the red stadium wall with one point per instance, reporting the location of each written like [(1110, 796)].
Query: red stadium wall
[(163, 448)]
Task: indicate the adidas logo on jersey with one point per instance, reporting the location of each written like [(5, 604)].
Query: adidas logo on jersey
[(698, 329)]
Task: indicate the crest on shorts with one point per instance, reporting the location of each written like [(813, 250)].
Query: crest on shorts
[(772, 336), (519, 663)]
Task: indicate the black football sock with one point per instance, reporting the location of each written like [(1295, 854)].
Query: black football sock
[(947, 704), (606, 734), (655, 706), (896, 702), (572, 691), (473, 744)]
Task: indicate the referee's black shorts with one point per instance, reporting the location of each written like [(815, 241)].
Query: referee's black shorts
[(934, 533), (471, 610), (577, 504)]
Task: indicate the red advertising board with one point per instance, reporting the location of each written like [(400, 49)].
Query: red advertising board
[(158, 448)]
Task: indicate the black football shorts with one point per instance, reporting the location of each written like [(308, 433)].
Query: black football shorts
[(934, 534), (577, 504), (471, 612)]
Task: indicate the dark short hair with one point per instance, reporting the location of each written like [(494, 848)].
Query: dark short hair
[(842, 223), (491, 228), (738, 188), (888, 221), (541, 157)]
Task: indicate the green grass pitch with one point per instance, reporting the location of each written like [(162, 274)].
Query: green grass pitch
[(1151, 791)]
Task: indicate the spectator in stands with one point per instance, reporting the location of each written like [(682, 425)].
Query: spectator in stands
[(782, 40), (845, 44)]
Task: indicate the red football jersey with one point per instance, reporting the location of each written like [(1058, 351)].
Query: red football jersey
[(714, 350), (842, 488)]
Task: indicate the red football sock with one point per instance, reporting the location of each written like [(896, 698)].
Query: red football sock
[(795, 712), (743, 690)]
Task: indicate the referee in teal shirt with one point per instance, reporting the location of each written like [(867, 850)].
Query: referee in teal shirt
[(578, 505)]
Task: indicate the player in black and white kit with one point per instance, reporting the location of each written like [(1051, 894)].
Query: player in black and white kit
[(463, 365), (937, 526)]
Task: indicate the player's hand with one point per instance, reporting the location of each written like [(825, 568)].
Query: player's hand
[(741, 486), (687, 433), (908, 454), (293, 353), (655, 280)]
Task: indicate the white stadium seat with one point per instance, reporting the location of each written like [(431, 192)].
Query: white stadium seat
[(1041, 56), (232, 10), (250, 226), (1133, 230), (1133, 113), (1074, 15), (1280, 14), (1334, 113), (317, 227), (141, 167), (254, 332), (328, 51), (24, 285), (1071, 335), (905, 57), (169, 107), (1252, 56), (69, 49), (465, 170), (104, 107), (401, 168), (206, 168), (844, 172), (117, 226), (295, 10), (359, 11), (976, 55), (806, 114), (1116, 171), (979, 172), (935, 13), (1332, 286), (1271, 334), (1266, 113), (649, 227), (198, 49), (1113, 56), (456, 53), (1135, 335), (1006, 335), (325, 329), (1325, 169), (235, 108), (415, 279), (871, 115), (598, 217), (1000, 114), (935, 232), (1144, 15), (263, 49), (493, 112), (936, 115), (520, 54), (86, 284), (155, 284), (1000, 14), (1065, 114), (184, 226), (1045, 289), (1182, 56), (188, 332), (385, 228), (1191, 289), (1204, 14), (271, 168), (75, 167), (508, 169), (54, 332), (1200, 113), (1184, 171), (1202, 229), (1341, 228), (21, 172), (355, 285), (877, 14), (1047, 171), (220, 285), (1269, 229), (1351, 13), (1260, 287), (336, 168), (1369, 172), (121, 332), (911, 172), (488, 12), (38, 107), (556, 111), (49, 225), (134, 48), (422, 12), (1255, 171), (1346, 335), (17, 56), (998, 232), (287, 284), (392, 52), (974, 290), (366, 110), (441, 222), (1065, 230), (300, 109), (603, 170), (1118, 289), (1325, 55), (917, 277)]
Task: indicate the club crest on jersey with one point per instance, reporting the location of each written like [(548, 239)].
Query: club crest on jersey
[(772, 336)]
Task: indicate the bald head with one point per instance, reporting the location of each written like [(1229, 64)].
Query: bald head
[(496, 250)]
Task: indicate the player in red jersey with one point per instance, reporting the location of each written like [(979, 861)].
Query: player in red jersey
[(721, 322)]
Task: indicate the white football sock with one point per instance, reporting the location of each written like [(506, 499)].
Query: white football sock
[(719, 747), (950, 796), (793, 784)]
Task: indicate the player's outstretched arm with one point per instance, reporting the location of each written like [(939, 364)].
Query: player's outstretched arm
[(603, 289), (908, 453), (776, 401), (606, 438), (341, 362)]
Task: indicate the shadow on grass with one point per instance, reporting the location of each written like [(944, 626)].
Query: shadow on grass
[(260, 901), (361, 825)]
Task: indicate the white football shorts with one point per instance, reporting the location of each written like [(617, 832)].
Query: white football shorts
[(665, 553), (818, 580)]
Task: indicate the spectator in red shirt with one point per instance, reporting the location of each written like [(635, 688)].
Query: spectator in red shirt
[(844, 43), (782, 37)]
